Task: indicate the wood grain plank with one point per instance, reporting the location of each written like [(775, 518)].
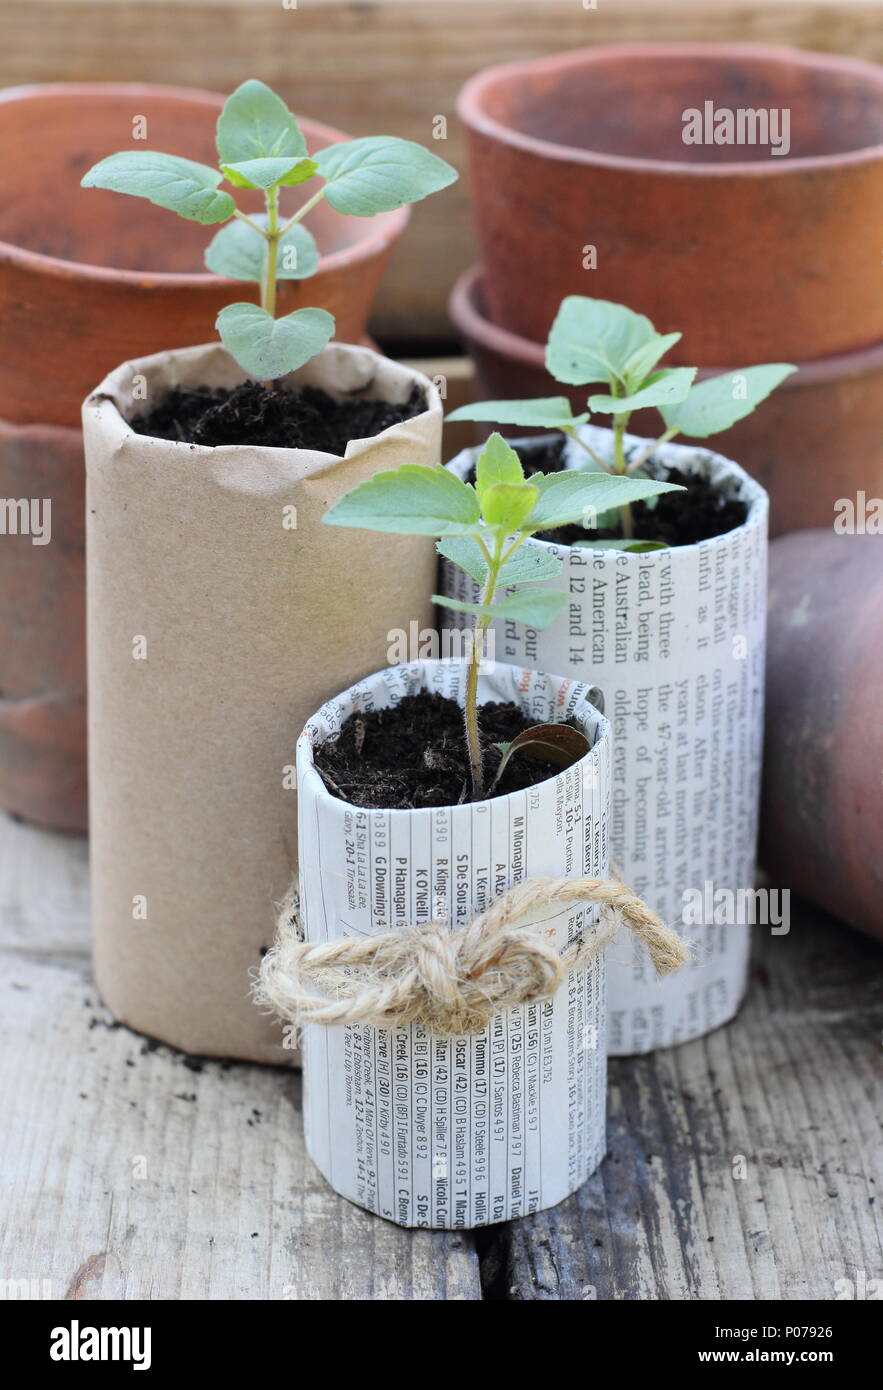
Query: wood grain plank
[(387, 66), (743, 1165), (131, 1171)]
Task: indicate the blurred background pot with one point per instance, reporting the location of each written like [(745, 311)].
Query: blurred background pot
[(89, 279), (819, 437), (753, 256), (822, 812)]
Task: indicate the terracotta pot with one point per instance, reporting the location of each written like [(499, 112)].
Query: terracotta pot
[(42, 622), (822, 812), (819, 437), (753, 256), (89, 279)]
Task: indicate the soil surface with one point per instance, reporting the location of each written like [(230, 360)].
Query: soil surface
[(677, 519), (414, 754), (272, 416)]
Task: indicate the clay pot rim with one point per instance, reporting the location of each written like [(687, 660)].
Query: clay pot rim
[(372, 244), (100, 398), (470, 109), (465, 308)]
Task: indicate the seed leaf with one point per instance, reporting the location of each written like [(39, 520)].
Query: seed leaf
[(662, 388), (181, 185), (530, 564), (380, 173), (256, 124), (593, 340), (560, 744), (536, 608), (714, 405), (545, 413), (267, 348), (412, 500)]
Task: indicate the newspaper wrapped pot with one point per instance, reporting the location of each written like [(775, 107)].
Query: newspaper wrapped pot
[(675, 640), (456, 1131), (220, 614)]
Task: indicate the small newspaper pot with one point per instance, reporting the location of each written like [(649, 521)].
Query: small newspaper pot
[(444, 1131), (675, 640), (221, 613)]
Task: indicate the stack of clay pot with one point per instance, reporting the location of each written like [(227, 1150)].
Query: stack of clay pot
[(582, 184), (89, 280)]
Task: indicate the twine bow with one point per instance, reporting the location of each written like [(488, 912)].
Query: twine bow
[(452, 982)]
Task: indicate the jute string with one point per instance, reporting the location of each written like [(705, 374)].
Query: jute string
[(453, 981)]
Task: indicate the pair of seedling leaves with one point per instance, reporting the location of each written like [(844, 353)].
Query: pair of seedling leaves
[(594, 341), (261, 146), (482, 529)]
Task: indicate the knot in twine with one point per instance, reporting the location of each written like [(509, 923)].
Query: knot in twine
[(452, 981)]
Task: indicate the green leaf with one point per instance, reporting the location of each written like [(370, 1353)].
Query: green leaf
[(508, 505), (593, 340), (636, 547), (497, 463), (379, 173), (716, 404), (412, 500), (644, 359), (663, 388), (266, 347), (181, 185), (537, 608), (266, 173), (576, 498), (240, 252), (545, 413), (256, 124), (529, 564), (560, 744)]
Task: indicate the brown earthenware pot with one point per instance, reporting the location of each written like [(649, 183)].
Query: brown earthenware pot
[(89, 279), (822, 811), (753, 256), (819, 437)]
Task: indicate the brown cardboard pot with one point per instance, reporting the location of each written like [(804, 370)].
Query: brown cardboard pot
[(822, 812), (89, 279), (819, 437), (215, 628), (753, 256)]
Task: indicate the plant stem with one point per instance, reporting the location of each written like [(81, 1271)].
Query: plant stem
[(620, 467), (648, 453), (268, 286), (249, 222), (470, 708), (302, 212), (596, 458)]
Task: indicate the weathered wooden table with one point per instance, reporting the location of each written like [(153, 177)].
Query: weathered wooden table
[(741, 1166)]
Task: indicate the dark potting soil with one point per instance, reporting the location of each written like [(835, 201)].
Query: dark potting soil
[(273, 416), (678, 518), (414, 754)]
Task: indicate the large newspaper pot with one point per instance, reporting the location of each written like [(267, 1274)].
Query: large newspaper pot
[(675, 640), (456, 1131), (221, 612)]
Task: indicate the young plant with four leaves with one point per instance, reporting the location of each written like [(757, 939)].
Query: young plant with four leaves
[(261, 146), (595, 342), (482, 530)]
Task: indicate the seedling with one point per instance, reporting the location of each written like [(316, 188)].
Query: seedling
[(261, 146), (482, 529), (594, 341)]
